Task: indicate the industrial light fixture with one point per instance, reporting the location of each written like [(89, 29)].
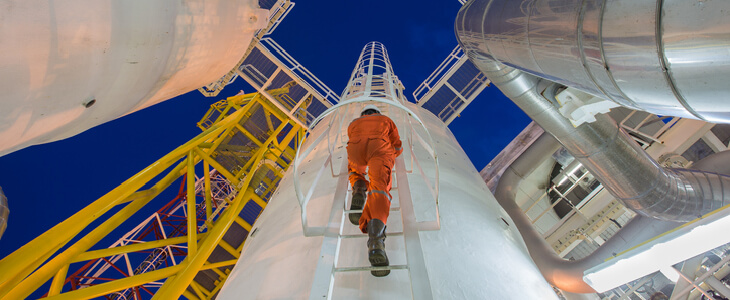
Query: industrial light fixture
[(682, 243)]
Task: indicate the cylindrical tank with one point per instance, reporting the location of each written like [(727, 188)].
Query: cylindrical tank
[(71, 65), (476, 254)]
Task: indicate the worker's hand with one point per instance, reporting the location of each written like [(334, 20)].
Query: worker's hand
[(398, 151)]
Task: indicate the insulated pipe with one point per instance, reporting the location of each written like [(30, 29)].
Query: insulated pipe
[(716, 162), (564, 274), (623, 168), (667, 57), (4, 211), (567, 276)]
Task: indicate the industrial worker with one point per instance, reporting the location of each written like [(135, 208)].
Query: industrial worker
[(372, 147)]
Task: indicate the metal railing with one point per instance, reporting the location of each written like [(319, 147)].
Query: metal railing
[(430, 83), (276, 14), (303, 73)]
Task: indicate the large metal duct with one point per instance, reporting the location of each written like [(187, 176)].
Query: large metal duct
[(623, 168), (667, 57), (564, 274)]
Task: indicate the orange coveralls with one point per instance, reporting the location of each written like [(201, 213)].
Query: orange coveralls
[(374, 144)]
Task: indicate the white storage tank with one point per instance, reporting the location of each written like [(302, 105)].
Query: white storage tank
[(71, 65), (474, 252)]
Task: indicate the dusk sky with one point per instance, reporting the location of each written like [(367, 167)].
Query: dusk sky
[(45, 184)]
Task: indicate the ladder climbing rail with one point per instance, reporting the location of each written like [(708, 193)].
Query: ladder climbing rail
[(304, 200)]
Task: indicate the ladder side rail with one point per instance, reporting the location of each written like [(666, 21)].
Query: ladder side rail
[(322, 285), (433, 188), (331, 146), (420, 282), (304, 201)]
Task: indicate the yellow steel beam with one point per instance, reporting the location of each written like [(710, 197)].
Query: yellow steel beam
[(190, 295), (144, 194), (199, 290), (58, 281), (229, 121), (219, 285), (249, 135), (117, 285), (273, 109), (23, 261), (20, 263), (232, 178), (9, 284), (259, 201), (32, 282), (226, 246), (213, 266), (132, 248), (190, 201), (174, 287), (269, 123), (15, 285), (208, 193), (243, 223)]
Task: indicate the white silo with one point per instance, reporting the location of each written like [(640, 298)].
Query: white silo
[(447, 236)]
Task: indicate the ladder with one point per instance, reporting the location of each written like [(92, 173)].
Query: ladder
[(343, 270), (342, 241)]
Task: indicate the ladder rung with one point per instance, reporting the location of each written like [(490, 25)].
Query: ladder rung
[(356, 269), (359, 211), (392, 189), (350, 236)]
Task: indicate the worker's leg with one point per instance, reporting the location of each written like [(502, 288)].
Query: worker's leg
[(359, 189), (357, 173), (377, 205), (357, 166), (376, 211)]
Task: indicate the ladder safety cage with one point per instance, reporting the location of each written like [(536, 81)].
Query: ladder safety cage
[(324, 285), (429, 146)]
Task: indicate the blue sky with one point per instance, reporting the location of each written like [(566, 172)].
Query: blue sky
[(45, 184)]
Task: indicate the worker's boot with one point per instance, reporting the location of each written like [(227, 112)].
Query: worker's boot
[(376, 247), (359, 193)]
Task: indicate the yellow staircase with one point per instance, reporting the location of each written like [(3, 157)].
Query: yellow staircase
[(246, 139)]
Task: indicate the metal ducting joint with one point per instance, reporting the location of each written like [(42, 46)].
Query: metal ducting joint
[(564, 274), (664, 57), (4, 211)]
